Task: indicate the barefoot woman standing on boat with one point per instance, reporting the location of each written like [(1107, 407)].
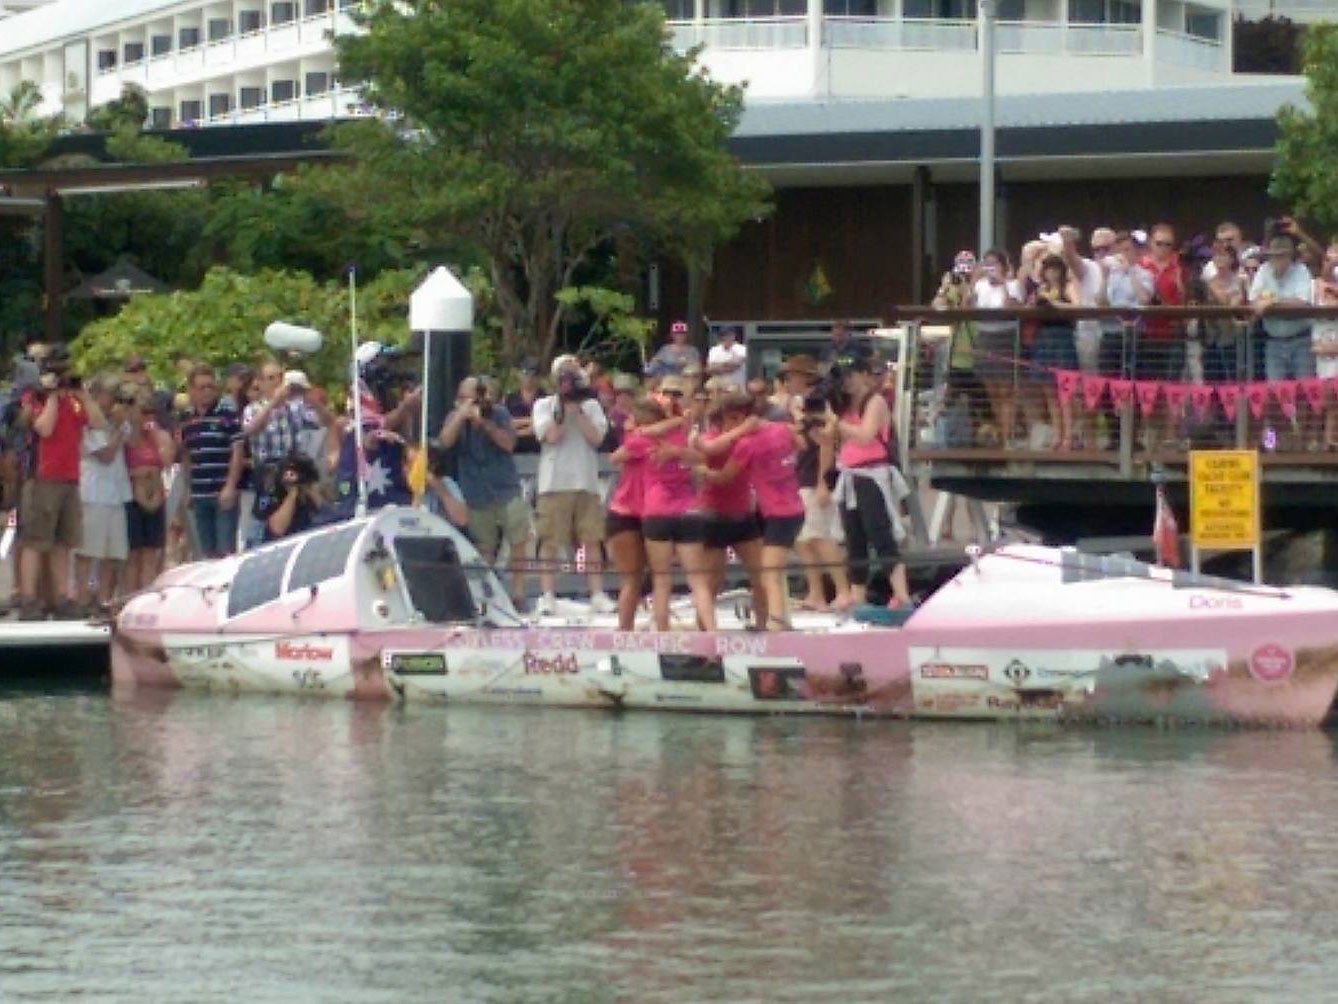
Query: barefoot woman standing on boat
[(869, 488)]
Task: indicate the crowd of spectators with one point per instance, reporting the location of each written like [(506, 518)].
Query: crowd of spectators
[(112, 476), (1006, 369)]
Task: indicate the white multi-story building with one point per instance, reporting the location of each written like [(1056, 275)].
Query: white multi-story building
[(238, 61)]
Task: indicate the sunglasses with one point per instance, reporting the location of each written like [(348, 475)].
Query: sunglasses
[(671, 393), (1163, 244)]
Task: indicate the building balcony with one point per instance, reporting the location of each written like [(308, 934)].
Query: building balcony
[(338, 102), (237, 53), (778, 57)]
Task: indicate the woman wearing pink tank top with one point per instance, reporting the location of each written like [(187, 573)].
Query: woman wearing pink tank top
[(865, 428), (765, 460), (727, 506), (148, 451), (670, 523), (623, 525)]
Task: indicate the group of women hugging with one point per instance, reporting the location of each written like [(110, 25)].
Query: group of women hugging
[(702, 474)]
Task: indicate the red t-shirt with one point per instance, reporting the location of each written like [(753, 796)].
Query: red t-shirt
[(1169, 285), (58, 453), (768, 455), (669, 490)]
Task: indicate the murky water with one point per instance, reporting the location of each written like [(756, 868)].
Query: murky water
[(179, 848)]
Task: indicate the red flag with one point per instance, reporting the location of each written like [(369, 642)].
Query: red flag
[(1176, 396), (1229, 395), (1066, 382), (1093, 390), (1165, 533), (1121, 391), (1147, 392), (1285, 393), (1256, 392), (1202, 395), (1313, 389)]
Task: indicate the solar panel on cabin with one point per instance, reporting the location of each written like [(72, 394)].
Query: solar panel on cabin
[(259, 579), (324, 557)]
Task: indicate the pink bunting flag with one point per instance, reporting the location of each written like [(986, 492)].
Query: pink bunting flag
[(1121, 391), (1201, 394), (1229, 395), (1093, 390), (1256, 393), (1066, 382), (1284, 391), (1147, 392), (1176, 396), (1313, 390)]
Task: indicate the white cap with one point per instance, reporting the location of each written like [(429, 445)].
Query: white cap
[(367, 351)]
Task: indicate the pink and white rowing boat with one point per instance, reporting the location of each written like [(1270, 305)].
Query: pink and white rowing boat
[(398, 605)]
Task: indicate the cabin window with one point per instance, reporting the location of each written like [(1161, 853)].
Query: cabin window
[(324, 557), (438, 586), (259, 578)]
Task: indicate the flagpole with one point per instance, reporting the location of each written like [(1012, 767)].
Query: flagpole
[(360, 459)]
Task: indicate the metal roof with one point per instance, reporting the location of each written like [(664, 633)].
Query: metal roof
[(1246, 99)]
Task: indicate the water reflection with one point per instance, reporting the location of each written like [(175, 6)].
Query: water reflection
[(179, 847)]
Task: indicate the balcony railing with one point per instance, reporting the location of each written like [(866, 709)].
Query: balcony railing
[(1190, 50), (741, 33), (1139, 387), (909, 34)]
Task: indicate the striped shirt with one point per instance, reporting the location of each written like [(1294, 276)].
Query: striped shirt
[(208, 440)]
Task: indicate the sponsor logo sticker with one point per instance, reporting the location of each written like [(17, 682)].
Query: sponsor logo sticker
[(1271, 663), (952, 671), (306, 652)]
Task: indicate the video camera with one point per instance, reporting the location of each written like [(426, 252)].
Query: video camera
[(389, 373)]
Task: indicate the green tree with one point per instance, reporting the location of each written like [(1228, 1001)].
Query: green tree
[(1305, 171), (537, 130), (224, 321), (129, 111)]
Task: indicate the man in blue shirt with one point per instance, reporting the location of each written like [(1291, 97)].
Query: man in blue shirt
[(480, 432), (212, 455)]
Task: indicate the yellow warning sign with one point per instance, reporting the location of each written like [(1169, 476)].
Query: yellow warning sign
[(1224, 499)]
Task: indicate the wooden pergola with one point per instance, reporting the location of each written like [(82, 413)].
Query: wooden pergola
[(42, 191)]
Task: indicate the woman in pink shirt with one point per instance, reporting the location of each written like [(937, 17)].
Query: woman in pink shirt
[(765, 459), (670, 523), (866, 489), (727, 506), (622, 527)]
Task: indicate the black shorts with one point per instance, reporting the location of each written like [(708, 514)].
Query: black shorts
[(616, 523), (145, 530), (781, 531), (720, 532), (674, 529)]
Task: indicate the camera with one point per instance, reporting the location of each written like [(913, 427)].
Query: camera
[(389, 374), (55, 372), (571, 387), (298, 469)]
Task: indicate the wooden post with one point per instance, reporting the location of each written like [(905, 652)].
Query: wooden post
[(52, 265)]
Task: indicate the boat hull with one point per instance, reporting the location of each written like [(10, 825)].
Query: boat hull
[(871, 672)]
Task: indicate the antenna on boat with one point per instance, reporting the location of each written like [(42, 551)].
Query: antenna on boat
[(355, 388)]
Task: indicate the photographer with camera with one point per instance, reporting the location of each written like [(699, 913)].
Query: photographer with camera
[(58, 411), (292, 502), (570, 425), (104, 490), (274, 427), (480, 432)]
